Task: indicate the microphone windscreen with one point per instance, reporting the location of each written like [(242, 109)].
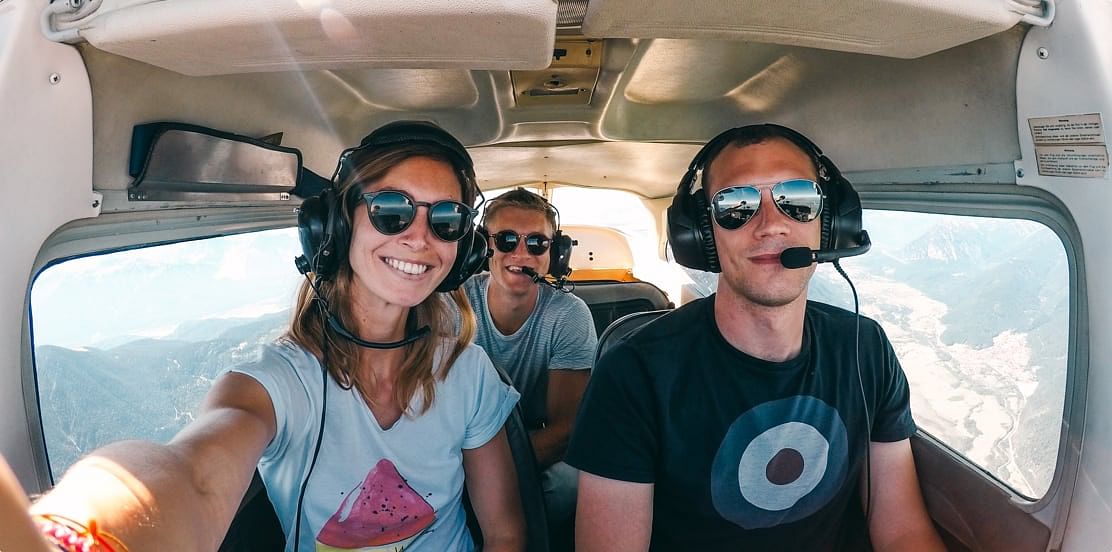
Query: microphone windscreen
[(537, 278), (796, 257)]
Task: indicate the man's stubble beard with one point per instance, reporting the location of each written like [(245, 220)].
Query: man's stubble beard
[(768, 297)]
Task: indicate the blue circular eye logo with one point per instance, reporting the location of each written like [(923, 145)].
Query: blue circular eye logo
[(780, 462)]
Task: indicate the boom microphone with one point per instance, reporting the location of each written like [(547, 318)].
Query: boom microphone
[(537, 278), (802, 257), (558, 285)]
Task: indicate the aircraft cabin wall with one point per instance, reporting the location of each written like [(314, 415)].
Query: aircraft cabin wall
[(46, 154), (1066, 69)]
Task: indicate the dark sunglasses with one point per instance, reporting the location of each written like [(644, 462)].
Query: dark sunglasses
[(391, 212), (507, 240), (799, 199)]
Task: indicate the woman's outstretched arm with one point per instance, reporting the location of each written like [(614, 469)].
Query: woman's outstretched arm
[(183, 493)]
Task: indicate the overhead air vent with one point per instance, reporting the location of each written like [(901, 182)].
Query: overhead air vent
[(570, 14), (569, 80)]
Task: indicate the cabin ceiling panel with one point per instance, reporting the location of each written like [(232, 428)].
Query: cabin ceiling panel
[(218, 37), (648, 169), (869, 112), (896, 28), (696, 71), (872, 112), (410, 89), (318, 112)]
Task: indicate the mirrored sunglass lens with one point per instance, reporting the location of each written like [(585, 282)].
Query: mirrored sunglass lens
[(449, 220), (733, 207), (536, 244), (799, 199), (505, 241), (390, 212)]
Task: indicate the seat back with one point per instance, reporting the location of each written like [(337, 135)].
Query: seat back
[(528, 484), (255, 528), (610, 301), (598, 250), (623, 328)]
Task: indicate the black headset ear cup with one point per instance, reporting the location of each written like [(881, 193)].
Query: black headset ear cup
[(560, 255), (706, 233), (844, 214), (471, 254), (689, 231), (484, 266), (827, 222), (323, 233)]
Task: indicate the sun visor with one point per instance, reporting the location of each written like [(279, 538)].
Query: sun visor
[(217, 37), (181, 162), (893, 28)]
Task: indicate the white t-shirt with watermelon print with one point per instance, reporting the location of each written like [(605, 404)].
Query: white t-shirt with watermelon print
[(374, 489)]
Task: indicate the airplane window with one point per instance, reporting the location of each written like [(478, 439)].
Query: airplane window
[(978, 312), (627, 213), (127, 343)]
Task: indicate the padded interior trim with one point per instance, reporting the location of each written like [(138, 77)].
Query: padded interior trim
[(971, 509), (895, 28), (598, 248), (218, 37)]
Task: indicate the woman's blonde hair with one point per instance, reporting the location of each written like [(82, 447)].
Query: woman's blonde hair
[(416, 384)]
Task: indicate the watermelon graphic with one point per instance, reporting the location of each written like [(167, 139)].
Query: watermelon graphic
[(382, 514)]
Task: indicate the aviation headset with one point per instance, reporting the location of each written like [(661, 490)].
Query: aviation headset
[(325, 232), (689, 218), (559, 251)]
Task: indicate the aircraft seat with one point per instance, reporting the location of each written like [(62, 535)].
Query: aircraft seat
[(602, 271)]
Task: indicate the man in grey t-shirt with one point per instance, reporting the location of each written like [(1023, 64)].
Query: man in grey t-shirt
[(544, 339)]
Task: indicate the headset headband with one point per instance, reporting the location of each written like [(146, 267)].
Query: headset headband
[(824, 167), (408, 132)]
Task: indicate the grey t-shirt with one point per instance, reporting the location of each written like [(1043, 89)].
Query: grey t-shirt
[(558, 335)]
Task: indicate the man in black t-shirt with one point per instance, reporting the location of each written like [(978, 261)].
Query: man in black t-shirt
[(744, 420)]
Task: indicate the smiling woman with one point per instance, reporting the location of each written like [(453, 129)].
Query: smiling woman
[(367, 327)]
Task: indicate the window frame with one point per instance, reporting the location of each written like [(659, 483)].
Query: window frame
[(1017, 202), (113, 233)]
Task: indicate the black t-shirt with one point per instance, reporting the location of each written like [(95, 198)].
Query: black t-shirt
[(744, 453)]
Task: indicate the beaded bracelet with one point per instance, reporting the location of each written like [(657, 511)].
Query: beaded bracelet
[(69, 535)]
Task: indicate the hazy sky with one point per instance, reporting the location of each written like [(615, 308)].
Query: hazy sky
[(147, 292)]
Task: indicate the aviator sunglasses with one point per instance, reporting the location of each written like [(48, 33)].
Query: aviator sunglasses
[(799, 199), (507, 240), (392, 211)]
